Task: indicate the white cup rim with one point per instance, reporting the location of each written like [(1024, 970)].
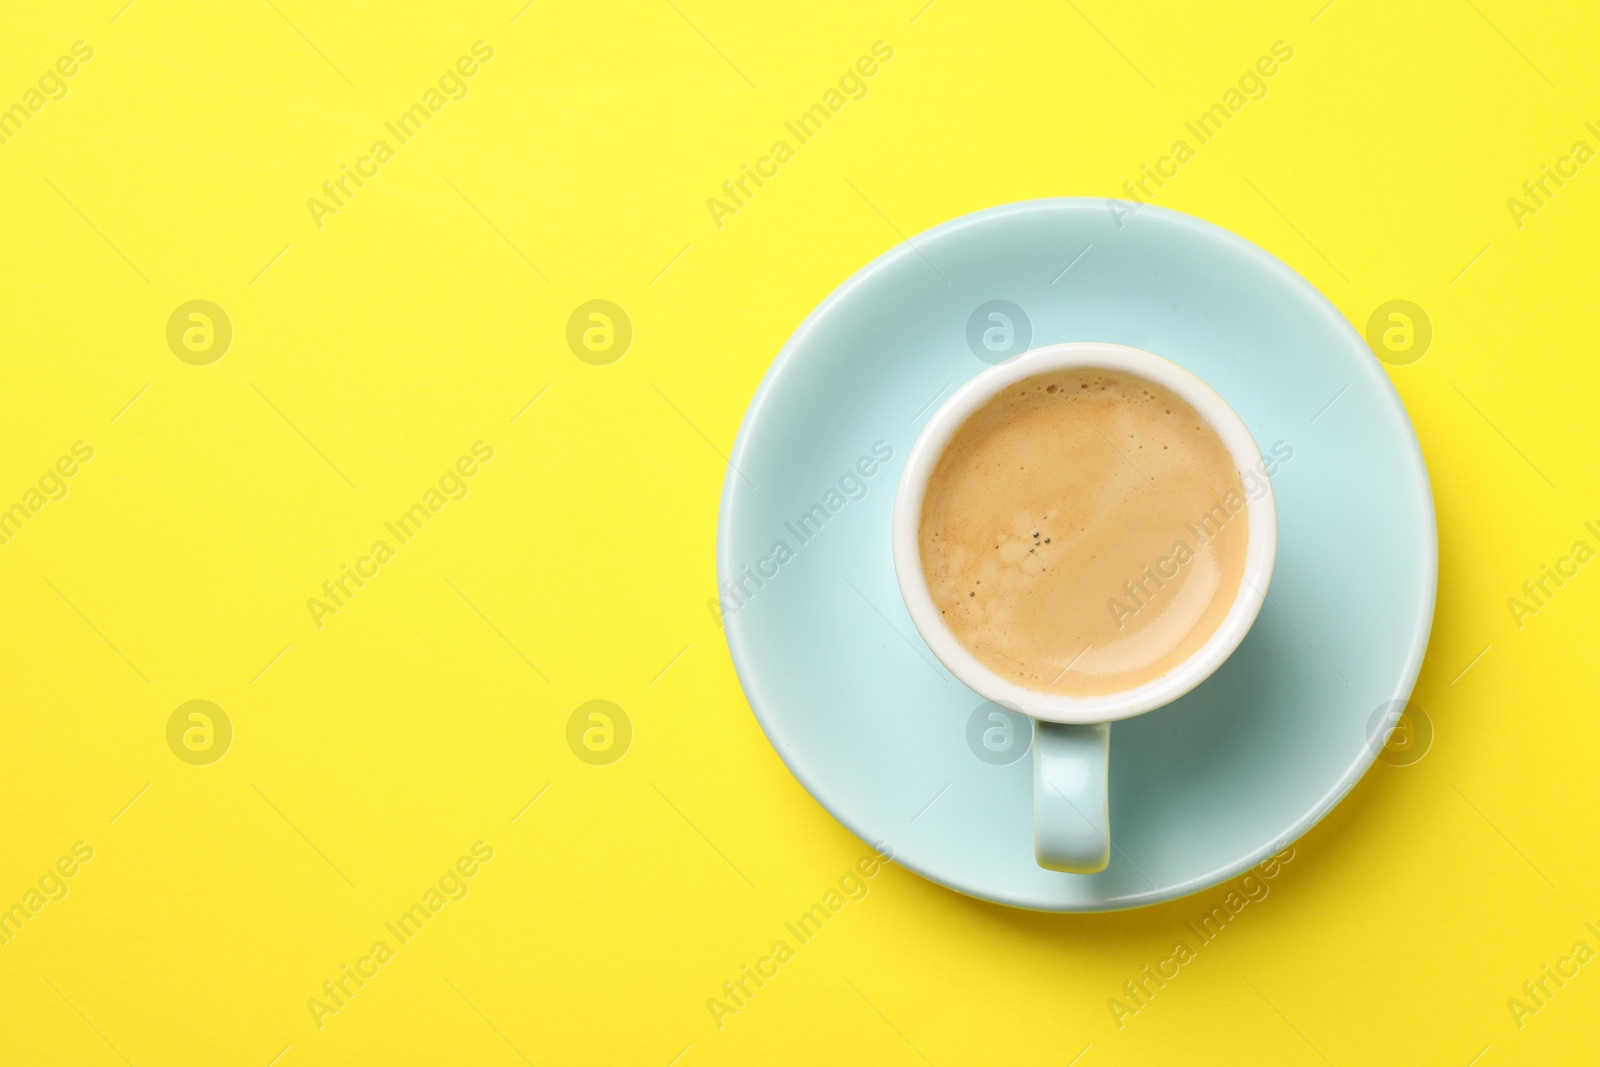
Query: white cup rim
[(1260, 551)]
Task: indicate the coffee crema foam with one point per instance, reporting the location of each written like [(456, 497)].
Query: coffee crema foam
[(1084, 532)]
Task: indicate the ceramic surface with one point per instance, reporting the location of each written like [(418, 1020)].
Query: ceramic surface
[(907, 757)]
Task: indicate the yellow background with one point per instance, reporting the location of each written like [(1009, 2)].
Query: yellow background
[(375, 350)]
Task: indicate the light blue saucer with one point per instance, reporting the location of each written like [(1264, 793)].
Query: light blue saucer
[(898, 750)]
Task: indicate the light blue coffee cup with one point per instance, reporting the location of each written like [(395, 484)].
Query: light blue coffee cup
[(1072, 734)]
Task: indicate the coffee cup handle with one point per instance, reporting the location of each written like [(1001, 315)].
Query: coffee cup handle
[(1071, 808)]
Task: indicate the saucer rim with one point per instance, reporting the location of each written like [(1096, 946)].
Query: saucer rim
[(766, 394)]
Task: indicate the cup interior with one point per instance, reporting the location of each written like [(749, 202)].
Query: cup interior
[(1260, 551)]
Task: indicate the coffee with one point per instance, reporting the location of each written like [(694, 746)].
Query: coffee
[(1084, 532)]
